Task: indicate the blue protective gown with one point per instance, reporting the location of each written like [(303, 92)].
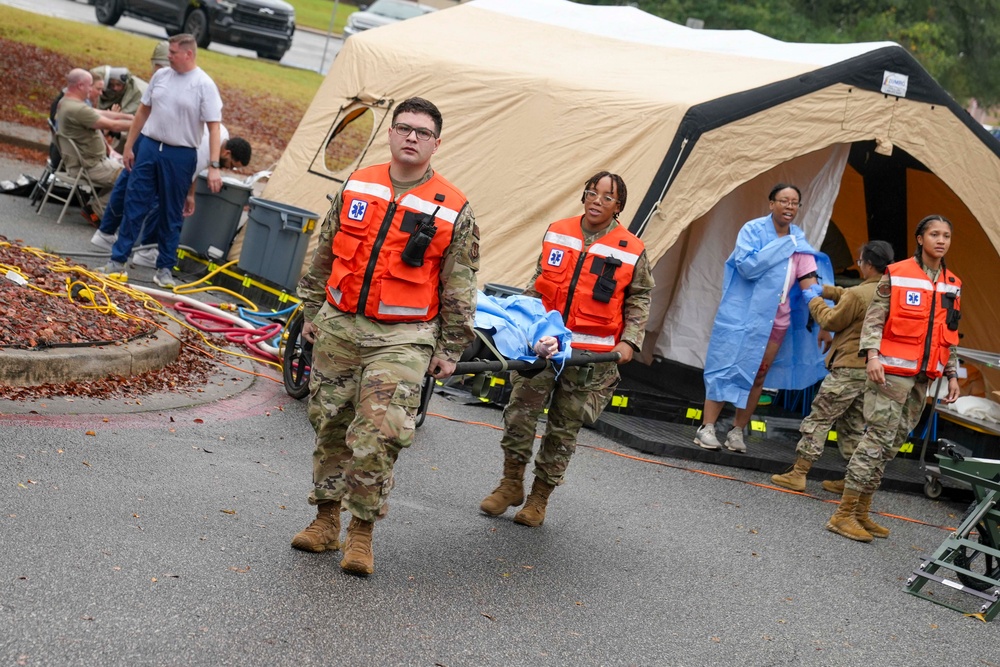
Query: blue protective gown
[(751, 291)]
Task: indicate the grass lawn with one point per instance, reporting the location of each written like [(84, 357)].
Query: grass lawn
[(316, 14)]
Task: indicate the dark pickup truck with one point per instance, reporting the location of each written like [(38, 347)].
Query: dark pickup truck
[(264, 26)]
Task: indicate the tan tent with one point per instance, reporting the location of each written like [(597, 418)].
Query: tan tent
[(539, 94)]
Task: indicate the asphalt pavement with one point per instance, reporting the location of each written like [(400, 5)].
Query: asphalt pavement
[(157, 533)]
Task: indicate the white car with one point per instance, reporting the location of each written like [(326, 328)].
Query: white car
[(383, 12)]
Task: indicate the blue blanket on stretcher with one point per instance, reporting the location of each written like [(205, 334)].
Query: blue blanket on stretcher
[(517, 322)]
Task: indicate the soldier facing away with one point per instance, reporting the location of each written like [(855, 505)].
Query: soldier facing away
[(390, 296)]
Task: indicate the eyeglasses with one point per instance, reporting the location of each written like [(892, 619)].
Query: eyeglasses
[(606, 200), (423, 134), (788, 203)]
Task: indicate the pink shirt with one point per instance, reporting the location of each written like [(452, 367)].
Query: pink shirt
[(802, 263)]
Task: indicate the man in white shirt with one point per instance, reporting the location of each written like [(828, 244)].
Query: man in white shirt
[(179, 102)]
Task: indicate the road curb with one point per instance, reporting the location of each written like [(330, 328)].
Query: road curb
[(24, 136), (60, 365)]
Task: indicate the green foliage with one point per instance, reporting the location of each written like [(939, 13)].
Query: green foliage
[(956, 42)]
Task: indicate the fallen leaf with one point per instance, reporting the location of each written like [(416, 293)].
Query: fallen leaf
[(90, 433), (153, 580), (85, 463), (198, 420), (241, 570), (86, 618), (228, 511), (483, 613), (105, 420)]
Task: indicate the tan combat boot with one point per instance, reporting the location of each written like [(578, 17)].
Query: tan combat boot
[(324, 532), (843, 521), (358, 557), (834, 486), (510, 493), (794, 479), (861, 514), (533, 512)]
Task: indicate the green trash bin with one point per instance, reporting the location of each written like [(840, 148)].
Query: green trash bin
[(210, 230), (275, 241)]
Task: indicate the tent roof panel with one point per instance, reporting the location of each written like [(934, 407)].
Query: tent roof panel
[(633, 25)]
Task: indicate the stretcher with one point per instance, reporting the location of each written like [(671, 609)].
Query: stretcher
[(972, 552), (930, 469), (479, 358)]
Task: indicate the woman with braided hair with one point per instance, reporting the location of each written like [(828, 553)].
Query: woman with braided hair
[(908, 339)]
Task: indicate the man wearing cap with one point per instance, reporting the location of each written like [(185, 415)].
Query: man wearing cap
[(180, 102), (161, 56)]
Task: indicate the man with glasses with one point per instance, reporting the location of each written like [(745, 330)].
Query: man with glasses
[(596, 273), (390, 296)]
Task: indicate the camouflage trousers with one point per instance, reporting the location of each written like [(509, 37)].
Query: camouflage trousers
[(840, 400), (363, 403), (891, 412), (566, 398)]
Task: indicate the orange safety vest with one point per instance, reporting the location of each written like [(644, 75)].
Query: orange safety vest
[(588, 287), (923, 320), (369, 275)]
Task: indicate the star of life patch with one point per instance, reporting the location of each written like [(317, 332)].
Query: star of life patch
[(555, 257), (357, 209), (912, 298)]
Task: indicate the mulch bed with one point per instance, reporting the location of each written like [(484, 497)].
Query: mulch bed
[(34, 77), (31, 319)]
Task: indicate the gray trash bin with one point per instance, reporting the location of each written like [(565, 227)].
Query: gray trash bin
[(275, 242), (209, 231)]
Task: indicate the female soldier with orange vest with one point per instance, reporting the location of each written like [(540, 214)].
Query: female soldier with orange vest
[(594, 272), (908, 338)]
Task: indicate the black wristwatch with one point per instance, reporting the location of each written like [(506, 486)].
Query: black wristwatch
[(215, 163)]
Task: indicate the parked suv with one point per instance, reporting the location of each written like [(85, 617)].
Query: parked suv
[(264, 26)]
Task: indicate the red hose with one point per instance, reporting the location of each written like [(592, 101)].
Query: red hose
[(212, 323)]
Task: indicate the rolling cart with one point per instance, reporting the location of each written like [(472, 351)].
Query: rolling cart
[(930, 469)]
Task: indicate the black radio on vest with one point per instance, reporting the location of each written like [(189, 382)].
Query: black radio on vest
[(420, 238)]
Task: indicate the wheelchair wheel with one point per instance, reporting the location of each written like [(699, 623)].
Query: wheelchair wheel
[(296, 358), (426, 391), (977, 561)]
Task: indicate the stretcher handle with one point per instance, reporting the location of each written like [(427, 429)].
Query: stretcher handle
[(578, 359)]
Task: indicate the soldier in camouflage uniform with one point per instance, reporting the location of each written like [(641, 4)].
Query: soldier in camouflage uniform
[(902, 355), (374, 339), (840, 396), (593, 244)]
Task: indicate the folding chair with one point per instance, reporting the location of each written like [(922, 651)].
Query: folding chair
[(51, 164), (75, 178)]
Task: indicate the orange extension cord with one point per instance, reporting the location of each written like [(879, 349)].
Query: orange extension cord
[(708, 474)]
